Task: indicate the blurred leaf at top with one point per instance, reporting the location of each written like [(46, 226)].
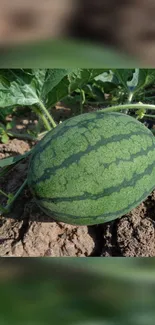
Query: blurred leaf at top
[(63, 54)]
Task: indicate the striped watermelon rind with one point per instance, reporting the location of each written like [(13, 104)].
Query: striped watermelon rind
[(93, 168)]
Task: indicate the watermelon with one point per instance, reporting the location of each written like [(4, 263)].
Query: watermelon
[(93, 168)]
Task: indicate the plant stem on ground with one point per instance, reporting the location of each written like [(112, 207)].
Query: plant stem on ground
[(21, 136), (20, 190), (8, 206), (6, 195)]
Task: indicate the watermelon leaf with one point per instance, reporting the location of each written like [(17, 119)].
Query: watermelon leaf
[(27, 87), (18, 88), (107, 76), (4, 138), (132, 84), (123, 76), (52, 79), (145, 78), (32, 86), (76, 78)]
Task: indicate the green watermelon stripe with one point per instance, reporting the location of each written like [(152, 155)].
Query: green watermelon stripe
[(105, 192), (145, 152), (94, 218), (59, 131), (76, 157)]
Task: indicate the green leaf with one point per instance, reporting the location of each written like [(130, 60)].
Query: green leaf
[(132, 84), (109, 87), (81, 76), (2, 130), (21, 88), (62, 54), (4, 112), (39, 77), (73, 80), (105, 76), (4, 138), (146, 77), (141, 113), (98, 92), (53, 78), (33, 86), (12, 160), (10, 125), (123, 76)]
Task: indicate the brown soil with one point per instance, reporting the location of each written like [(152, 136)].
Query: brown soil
[(27, 231)]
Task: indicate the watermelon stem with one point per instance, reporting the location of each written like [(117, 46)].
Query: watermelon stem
[(21, 136), (13, 198), (40, 135), (4, 194), (147, 115), (130, 97), (128, 106), (47, 114), (44, 119)]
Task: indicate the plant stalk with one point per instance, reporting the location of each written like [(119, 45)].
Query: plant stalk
[(6, 209), (21, 136), (3, 193), (16, 195), (147, 115), (149, 97), (40, 135), (47, 114), (129, 106), (130, 97), (44, 119)]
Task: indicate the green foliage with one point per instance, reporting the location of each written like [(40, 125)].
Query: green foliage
[(29, 87), (76, 291), (123, 85), (39, 89), (73, 80), (4, 131), (3, 134), (63, 53)]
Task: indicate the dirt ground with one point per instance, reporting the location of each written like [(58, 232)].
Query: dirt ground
[(27, 231)]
